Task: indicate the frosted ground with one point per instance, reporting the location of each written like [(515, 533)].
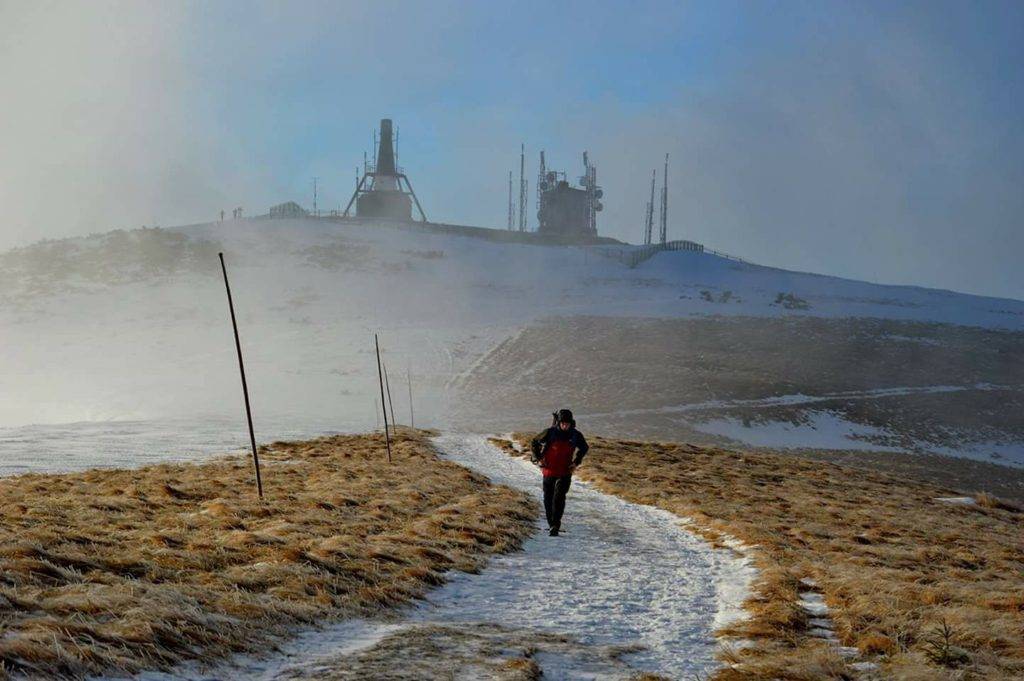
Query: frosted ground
[(115, 355), (117, 351), (623, 575)]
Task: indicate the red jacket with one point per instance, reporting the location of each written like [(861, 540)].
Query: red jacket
[(559, 449)]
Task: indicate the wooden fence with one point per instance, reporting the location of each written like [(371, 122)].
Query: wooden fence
[(634, 256)]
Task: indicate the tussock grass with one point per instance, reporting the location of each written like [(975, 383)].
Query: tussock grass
[(128, 570), (929, 590)]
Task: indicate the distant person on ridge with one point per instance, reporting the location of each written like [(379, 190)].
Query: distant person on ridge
[(558, 450)]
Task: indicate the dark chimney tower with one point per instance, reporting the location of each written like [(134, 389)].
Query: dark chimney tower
[(386, 151), (380, 193)]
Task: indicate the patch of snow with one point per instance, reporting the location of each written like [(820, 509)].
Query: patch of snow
[(307, 651), (126, 444), (827, 429), (822, 632), (1004, 453), (813, 603), (920, 340), (797, 399), (864, 666), (821, 627), (824, 430), (962, 501)]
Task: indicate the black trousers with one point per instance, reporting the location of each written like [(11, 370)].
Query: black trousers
[(555, 490)]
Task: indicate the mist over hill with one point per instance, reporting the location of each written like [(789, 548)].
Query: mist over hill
[(118, 346)]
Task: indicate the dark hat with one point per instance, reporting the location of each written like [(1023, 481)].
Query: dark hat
[(565, 416)]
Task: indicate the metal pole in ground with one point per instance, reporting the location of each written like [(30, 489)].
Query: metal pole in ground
[(412, 418), (383, 404), (245, 387), (391, 405)]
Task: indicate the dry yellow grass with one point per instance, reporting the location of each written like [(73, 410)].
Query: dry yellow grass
[(127, 570), (893, 564)]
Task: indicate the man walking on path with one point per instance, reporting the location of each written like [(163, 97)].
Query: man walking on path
[(558, 451)]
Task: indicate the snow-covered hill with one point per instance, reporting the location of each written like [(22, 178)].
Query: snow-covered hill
[(118, 346)]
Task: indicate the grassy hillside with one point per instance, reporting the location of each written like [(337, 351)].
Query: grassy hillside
[(138, 319), (127, 570), (613, 364), (895, 386), (927, 589)]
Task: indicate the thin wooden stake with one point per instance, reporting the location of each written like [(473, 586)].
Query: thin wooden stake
[(245, 386), (391, 405), (383, 404), (412, 418)]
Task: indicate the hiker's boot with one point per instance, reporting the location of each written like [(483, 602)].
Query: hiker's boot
[(553, 532)]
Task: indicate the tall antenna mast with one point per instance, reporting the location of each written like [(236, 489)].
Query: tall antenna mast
[(664, 203), (522, 188), (649, 218), (542, 178), (588, 184), (594, 194), (511, 206)]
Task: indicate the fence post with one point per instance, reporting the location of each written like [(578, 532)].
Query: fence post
[(383, 404), (245, 387)]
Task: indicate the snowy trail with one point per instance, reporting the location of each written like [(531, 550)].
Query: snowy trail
[(622, 574)]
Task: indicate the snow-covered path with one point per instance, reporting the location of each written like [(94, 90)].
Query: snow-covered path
[(622, 574)]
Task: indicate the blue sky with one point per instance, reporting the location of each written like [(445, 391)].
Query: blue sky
[(880, 141)]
